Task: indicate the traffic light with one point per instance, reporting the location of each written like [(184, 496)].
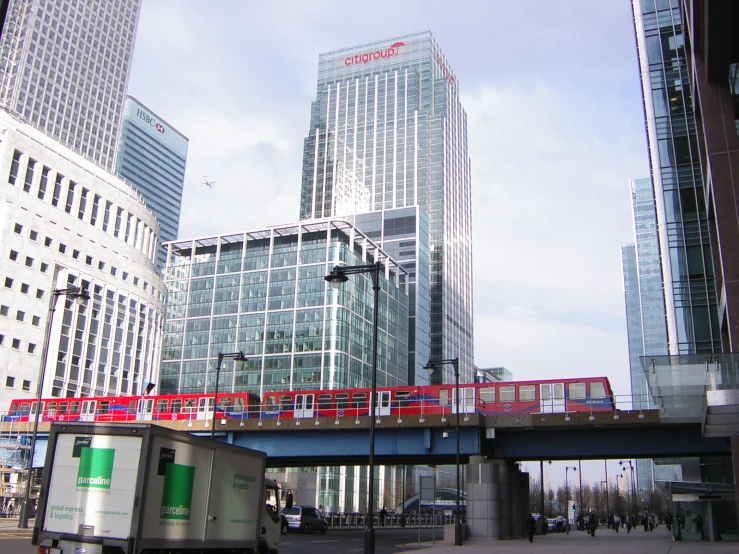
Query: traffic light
[(574, 507)]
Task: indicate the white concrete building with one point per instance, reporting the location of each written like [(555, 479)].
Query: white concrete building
[(66, 222)]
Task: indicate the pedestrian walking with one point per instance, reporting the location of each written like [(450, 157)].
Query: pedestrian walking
[(383, 515), (531, 527), (592, 524)]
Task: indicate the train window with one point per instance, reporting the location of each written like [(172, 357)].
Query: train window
[(238, 406), (74, 407), (224, 404), (286, 403), (487, 395), (132, 405), (443, 397), (597, 390), (342, 401), (25, 408), (402, 397), (51, 409), (161, 406), (527, 393), (176, 405), (63, 407), (324, 402), (577, 391), (104, 407), (359, 400), (189, 406), (269, 405), (508, 394)]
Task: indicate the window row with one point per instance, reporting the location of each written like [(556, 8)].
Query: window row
[(63, 193), (16, 344)]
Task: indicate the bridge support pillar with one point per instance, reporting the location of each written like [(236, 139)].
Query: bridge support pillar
[(497, 498)]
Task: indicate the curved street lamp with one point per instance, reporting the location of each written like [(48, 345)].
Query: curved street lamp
[(237, 357), (430, 367), (81, 297), (337, 277), (567, 490)]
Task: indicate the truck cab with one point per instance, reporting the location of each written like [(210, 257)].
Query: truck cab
[(271, 534)]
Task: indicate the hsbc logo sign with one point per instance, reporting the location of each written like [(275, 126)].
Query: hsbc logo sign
[(146, 118)]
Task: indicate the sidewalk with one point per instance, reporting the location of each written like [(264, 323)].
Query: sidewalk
[(605, 541)]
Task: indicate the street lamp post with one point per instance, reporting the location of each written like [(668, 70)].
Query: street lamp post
[(337, 277), (80, 297), (237, 357), (430, 367), (605, 486), (567, 490), (633, 485)]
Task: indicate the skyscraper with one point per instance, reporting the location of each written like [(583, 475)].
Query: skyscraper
[(387, 131), (691, 297), (152, 155), (64, 69)]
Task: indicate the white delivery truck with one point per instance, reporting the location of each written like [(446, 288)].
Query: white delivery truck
[(145, 489)]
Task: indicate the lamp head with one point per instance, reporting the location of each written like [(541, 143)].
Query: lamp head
[(445, 434), (336, 277), (80, 296), (430, 367)]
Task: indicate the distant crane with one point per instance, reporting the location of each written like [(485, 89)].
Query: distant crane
[(209, 183)]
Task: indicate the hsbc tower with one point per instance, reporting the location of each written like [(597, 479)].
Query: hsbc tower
[(387, 148)]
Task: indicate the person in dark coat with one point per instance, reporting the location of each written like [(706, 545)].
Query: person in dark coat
[(592, 524), (531, 527)]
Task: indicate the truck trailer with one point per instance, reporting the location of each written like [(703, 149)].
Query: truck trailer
[(145, 489)]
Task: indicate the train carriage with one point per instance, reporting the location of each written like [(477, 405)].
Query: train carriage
[(519, 397)]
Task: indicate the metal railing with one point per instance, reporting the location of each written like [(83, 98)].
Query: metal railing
[(392, 520)]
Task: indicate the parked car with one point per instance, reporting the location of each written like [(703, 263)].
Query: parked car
[(552, 524), (305, 519)]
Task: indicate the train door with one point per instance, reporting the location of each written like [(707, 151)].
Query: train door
[(304, 405), (383, 404), (205, 408), (552, 398), (466, 400), (87, 413), (144, 409)]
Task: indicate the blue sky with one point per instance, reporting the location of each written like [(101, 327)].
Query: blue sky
[(555, 123)]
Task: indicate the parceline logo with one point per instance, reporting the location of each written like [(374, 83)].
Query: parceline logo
[(367, 57), (96, 468), (177, 492)]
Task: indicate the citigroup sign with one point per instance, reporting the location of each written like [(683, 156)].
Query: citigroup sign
[(367, 57)]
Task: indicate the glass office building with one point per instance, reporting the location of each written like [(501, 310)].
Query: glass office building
[(691, 298), (388, 131), (263, 292), (64, 69), (152, 156), (403, 234)]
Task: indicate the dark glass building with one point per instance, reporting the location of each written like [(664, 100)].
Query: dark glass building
[(152, 155)]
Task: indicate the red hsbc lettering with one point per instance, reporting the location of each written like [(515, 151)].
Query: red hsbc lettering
[(367, 57), (149, 120)]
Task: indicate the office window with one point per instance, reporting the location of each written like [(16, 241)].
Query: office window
[(16, 344), (113, 270), (76, 254), (29, 175), (83, 204), (2, 339), (26, 385), (106, 217), (8, 283), (29, 261), (4, 310), (24, 288), (95, 207), (101, 265), (31, 348), (125, 276), (13, 255), (20, 315), (14, 167), (62, 248), (35, 321), (44, 182), (44, 267), (57, 190), (9, 382), (88, 260), (33, 235), (48, 241), (70, 197), (18, 229)]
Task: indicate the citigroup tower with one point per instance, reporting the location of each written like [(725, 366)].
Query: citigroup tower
[(388, 132)]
